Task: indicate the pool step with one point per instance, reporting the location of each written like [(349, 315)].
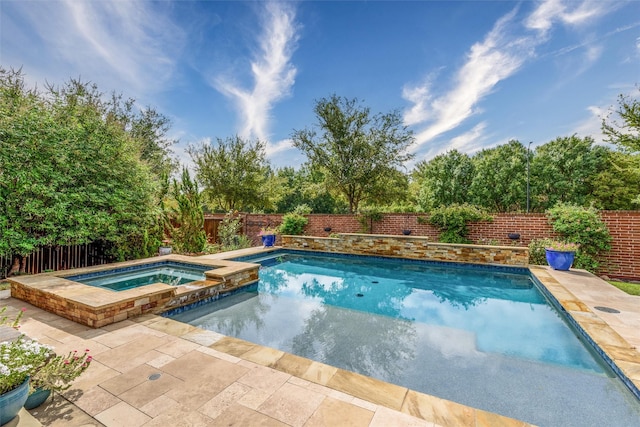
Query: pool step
[(264, 258)]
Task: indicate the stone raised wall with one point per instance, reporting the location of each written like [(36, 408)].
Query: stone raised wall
[(410, 247)]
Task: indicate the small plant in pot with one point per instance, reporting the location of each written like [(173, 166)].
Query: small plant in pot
[(560, 255), (268, 236), (56, 375)]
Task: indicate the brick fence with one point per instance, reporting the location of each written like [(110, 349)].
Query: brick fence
[(622, 262)]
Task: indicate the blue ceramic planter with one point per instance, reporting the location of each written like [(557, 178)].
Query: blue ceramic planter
[(268, 239), (37, 398), (12, 401), (559, 260)]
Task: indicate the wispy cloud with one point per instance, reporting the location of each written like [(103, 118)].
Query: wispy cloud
[(132, 46), (502, 53), (572, 13), (272, 71), (488, 62)]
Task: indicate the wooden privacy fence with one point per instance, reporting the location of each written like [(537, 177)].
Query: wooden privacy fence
[(55, 258)]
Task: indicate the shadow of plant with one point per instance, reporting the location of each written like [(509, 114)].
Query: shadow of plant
[(59, 410)]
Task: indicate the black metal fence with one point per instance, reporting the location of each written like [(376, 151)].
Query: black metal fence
[(55, 258)]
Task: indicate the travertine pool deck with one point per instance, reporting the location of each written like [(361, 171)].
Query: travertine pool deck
[(207, 379)]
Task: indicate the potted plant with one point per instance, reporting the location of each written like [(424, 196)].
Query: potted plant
[(19, 358), (56, 375), (560, 255), (165, 248), (268, 235), (30, 371)]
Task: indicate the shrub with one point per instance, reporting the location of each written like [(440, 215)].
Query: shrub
[(577, 224), (303, 209), (229, 233), (452, 221), (188, 232), (367, 216), (537, 251), (293, 223)]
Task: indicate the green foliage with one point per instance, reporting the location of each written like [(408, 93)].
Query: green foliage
[(367, 216), (233, 173), (622, 128), (303, 209), (537, 254), (443, 180), (229, 233), (582, 226), (187, 218), (563, 171), (452, 221), (307, 185), (500, 179), (617, 187), (359, 153), (293, 223), (76, 172)]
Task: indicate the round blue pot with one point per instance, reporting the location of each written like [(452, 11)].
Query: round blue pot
[(37, 398), (559, 260), (12, 401), (268, 239)]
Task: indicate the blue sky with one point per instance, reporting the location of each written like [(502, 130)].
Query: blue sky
[(463, 74)]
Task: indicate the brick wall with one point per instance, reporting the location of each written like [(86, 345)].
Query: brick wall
[(623, 261)]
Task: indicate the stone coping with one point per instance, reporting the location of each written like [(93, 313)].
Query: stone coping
[(620, 354)]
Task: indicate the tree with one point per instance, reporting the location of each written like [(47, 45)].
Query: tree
[(68, 175), (626, 134), (443, 180), (233, 173), (357, 150), (187, 218), (617, 186), (307, 186), (563, 171), (499, 182)]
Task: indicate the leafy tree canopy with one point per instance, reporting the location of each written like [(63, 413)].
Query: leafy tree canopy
[(233, 173), (499, 182), (357, 150), (69, 174), (443, 180), (564, 169), (622, 126)]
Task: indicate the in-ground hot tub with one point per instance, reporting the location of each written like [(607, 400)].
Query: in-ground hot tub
[(98, 296), (168, 272)]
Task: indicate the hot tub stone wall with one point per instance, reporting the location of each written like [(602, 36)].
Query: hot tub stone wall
[(410, 247), (96, 307)]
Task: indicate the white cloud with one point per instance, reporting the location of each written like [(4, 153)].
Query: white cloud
[(500, 55), (571, 13), (272, 72), (131, 46), (278, 147), (591, 126), (497, 57), (471, 141)]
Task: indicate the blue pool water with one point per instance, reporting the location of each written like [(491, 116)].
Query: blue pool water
[(483, 337), (120, 279)]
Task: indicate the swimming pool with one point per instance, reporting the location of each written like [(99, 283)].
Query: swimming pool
[(481, 336), (120, 279)]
